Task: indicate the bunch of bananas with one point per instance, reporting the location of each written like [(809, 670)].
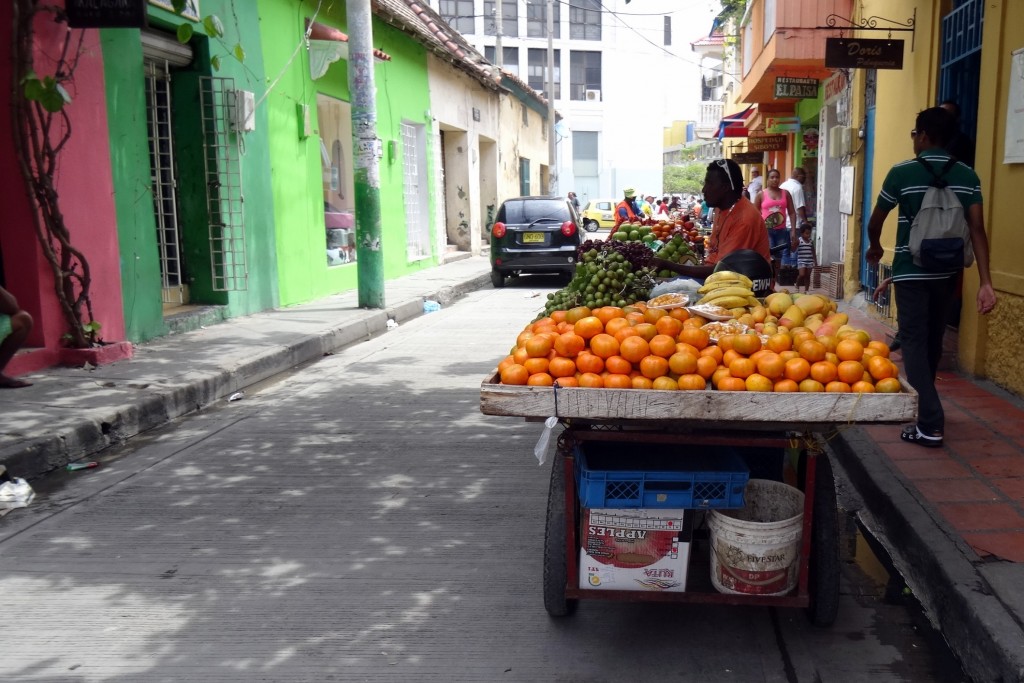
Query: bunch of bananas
[(728, 289)]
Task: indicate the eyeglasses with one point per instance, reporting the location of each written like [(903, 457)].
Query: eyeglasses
[(913, 132), (723, 164)]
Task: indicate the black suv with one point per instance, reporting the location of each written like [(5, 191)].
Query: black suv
[(535, 235)]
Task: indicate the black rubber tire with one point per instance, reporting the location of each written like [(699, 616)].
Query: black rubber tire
[(591, 226), (556, 573), (823, 579), (497, 279)]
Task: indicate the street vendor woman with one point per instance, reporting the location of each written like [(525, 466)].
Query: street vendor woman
[(737, 226)]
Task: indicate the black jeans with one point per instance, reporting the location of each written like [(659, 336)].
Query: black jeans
[(922, 309)]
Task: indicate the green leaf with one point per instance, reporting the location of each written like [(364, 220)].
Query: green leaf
[(215, 63), (239, 52), (34, 89), (92, 327), (178, 6), (185, 32), (51, 101), (213, 27)]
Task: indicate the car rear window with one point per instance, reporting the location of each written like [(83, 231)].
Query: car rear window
[(528, 210)]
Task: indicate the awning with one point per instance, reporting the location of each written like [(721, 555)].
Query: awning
[(327, 45), (735, 126)]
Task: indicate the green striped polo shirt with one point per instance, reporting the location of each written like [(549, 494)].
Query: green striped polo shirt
[(905, 186)]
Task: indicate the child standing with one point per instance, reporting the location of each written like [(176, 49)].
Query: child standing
[(805, 258)]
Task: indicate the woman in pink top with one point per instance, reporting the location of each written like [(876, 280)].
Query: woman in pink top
[(774, 203)]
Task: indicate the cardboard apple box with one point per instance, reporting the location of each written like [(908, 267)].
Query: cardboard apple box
[(645, 549)]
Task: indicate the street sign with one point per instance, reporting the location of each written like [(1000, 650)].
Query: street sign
[(796, 88), (782, 124), (863, 53), (766, 143), (106, 13)]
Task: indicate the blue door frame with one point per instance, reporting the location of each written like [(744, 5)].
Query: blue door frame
[(868, 274)]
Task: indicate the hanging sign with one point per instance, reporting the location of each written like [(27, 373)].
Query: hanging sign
[(834, 87), (766, 143), (796, 88), (748, 157), (106, 13), (781, 124), (863, 53)]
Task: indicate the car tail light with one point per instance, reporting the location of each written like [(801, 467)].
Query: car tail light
[(498, 230), (568, 228)]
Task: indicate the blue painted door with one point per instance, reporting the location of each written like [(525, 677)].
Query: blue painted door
[(868, 274)]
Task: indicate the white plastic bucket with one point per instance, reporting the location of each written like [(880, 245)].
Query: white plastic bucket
[(756, 550)]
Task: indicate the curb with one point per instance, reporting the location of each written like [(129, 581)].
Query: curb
[(978, 627), (103, 428)]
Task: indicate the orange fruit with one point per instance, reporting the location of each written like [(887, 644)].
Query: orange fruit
[(881, 367), (800, 335), (616, 324), (651, 315), (545, 329), (646, 330), (779, 342), (720, 372), (812, 350), (663, 345), (569, 344), (730, 355), (574, 315), (626, 332), (538, 346), (823, 371), (694, 336), (666, 324), (682, 363), (520, 355), (535, 365), (746, 343), (785, 385), (811, 385), (618, 381), (706, 366), (540, 379), (567, 381), (712, 351), (653, 366), (607, 313), (591, 380), (515, 374), (588, 327), (758, 382), (862, 387), (731, 384), (523, 337), (634, 317), (888, 385), (604, 345), (618, 365), (664, 384), (849, 349), (837, 387), (680, 314), (757, 355), (881, 347), (786, 355), (641, 382), (692, 382), (505, 362), (561, 367), (682, 347), (558, 316), (832, 358), (742, 368), (588, 362), (634, 348), (850, 371), (725, 342), (771, 365)]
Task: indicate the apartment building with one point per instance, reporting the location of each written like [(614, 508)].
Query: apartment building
[(622, 73)]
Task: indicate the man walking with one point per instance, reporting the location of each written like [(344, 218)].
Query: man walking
[(923, 296), (15, 325), (756, 182), (795, 186)]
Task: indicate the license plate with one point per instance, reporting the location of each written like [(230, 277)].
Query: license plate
[(533, 237)]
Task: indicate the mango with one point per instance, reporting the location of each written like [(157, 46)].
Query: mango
[(809, 303), (793, 317)]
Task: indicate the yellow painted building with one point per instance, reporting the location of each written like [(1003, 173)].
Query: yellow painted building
[(989, 346)]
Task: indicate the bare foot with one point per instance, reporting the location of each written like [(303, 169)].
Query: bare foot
[(13, 382)]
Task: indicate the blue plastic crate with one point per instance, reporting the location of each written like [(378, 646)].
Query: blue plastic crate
[(631, 475)]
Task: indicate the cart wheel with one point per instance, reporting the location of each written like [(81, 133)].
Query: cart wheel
[(556, 574), (823, 579)]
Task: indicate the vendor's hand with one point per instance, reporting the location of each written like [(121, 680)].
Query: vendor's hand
[(986, 299), (880, 290), (874, 254)]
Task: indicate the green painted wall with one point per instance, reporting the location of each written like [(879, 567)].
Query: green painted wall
[(130, 153), (402, 93), (133, 200)]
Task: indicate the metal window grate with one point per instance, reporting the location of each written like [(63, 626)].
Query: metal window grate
[(883, 306), (162, 176), (417, 231), (224, 199)]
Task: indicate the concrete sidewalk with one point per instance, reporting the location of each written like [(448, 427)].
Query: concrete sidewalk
[(953, 518)]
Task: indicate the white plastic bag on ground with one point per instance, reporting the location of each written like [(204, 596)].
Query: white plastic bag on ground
[(15, 493)]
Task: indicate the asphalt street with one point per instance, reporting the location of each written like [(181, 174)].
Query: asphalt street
[(360, 520)]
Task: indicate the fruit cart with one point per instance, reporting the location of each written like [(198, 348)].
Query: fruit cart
[(759, 424)]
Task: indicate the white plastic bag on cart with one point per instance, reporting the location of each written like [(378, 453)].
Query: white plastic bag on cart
[(540, 451), (683, 285)]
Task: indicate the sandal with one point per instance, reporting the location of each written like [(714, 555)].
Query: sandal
[(913, 434)]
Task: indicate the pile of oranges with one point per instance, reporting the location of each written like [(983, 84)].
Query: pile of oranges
[(636, 347)]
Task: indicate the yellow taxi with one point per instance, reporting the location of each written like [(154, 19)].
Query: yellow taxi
[(599, 214)]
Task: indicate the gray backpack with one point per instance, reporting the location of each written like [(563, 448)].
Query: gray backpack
[(940, 238)]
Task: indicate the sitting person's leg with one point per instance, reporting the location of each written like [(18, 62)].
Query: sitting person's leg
[(20, 326)]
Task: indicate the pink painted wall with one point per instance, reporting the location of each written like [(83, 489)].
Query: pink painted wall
[(85, 187)]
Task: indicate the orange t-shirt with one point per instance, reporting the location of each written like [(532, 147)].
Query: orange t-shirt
[(740, 227)]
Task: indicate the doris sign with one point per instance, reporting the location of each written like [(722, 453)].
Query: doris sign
[(863, 53)]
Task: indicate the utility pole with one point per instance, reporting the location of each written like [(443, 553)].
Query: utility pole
[(499, 57), (552, 151), (366, 153)]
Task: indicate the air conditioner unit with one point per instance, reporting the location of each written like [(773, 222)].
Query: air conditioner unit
[(593, 95)]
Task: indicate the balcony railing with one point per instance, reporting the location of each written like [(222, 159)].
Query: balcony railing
[(710, 114)]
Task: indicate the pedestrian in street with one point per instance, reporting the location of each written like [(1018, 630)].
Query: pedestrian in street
[(794, 185), (806, 259), (923, 296), (575, 201), (778, 210), (756, 182), (15, 326)]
